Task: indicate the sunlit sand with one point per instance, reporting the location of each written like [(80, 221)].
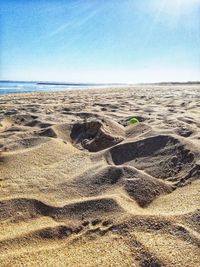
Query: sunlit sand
[(80, 186)]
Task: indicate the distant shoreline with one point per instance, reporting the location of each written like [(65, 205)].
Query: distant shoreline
[(102, 84), (171, 83), (65, 83)]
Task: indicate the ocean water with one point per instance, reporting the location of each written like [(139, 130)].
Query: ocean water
[(21, 87)]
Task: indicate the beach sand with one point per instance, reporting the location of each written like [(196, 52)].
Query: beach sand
[(79, 186)]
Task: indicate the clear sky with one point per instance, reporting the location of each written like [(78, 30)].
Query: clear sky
[(100, 40)]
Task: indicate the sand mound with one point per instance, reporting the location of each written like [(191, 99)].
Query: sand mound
[(143, 188), (5, 123), (58, 232), (193, 219), (33, 237), (94, 135), (184, 131), (24, 143), (134, 131), (23, 209), (38, 123), (191, 175), (23, 119), (161, 156), (98, 180), (63, 131), (48, 132), (140, 187), (89, 209)]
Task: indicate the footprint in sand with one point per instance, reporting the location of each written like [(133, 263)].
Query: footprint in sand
[(97, 226)]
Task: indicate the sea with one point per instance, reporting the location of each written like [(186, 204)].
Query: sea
[(10, 87)]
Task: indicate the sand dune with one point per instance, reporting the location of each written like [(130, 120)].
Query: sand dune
[(81, 187)]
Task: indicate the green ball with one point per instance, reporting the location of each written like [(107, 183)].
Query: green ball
[(133, 121)]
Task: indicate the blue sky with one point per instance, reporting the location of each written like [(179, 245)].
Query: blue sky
[(100, 40)]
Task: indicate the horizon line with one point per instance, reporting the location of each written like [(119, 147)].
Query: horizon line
[(101, 83)]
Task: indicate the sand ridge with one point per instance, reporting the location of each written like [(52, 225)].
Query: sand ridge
[(81, 187)]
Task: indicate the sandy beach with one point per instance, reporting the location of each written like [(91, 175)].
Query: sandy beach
[(80, 186)]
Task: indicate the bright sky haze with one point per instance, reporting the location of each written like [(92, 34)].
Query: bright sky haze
[(122, 41)]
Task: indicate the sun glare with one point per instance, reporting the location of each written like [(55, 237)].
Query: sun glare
[(176, 6), (181, 3)]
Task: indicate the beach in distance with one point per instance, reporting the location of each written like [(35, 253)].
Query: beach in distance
[(100, 177), (10, 87)]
